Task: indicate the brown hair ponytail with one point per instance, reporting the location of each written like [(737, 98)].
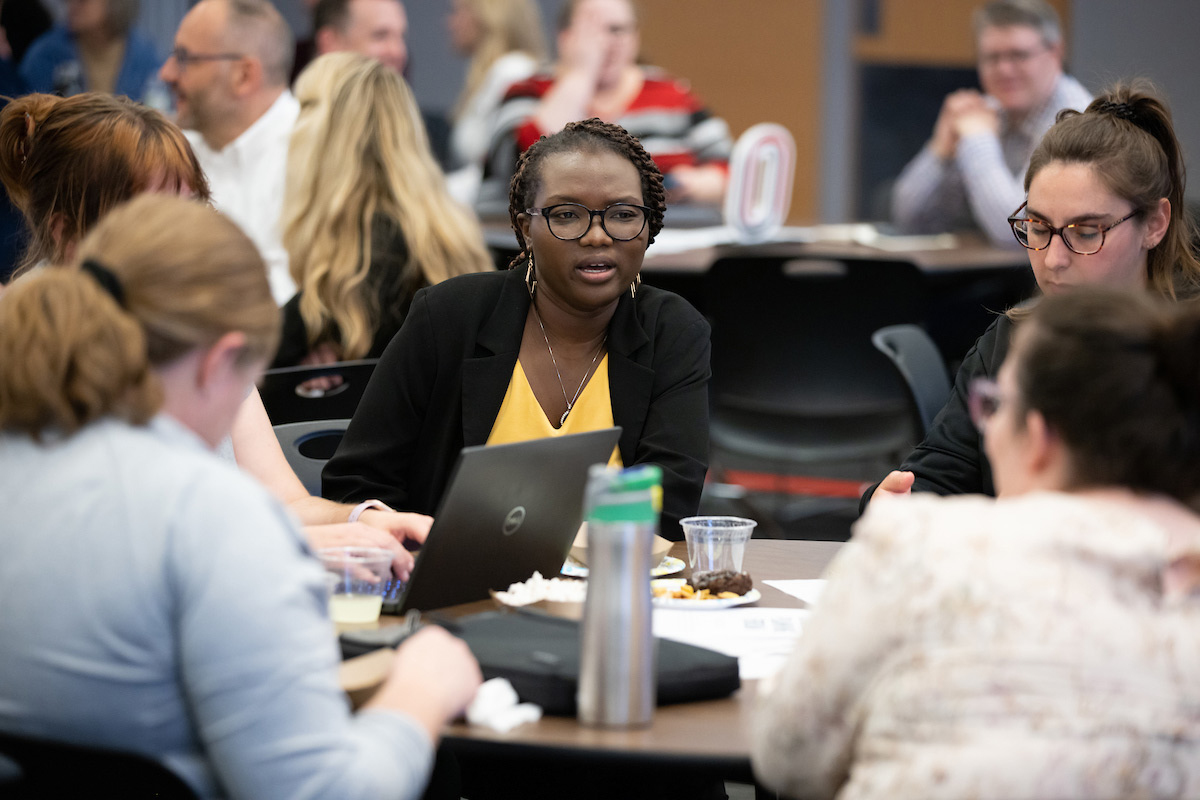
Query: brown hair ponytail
[(71, 356)]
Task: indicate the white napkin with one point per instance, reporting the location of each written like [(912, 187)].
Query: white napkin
[(495, 706)]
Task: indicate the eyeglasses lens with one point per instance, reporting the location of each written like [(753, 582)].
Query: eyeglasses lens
[(621, 222), (1082, 239)]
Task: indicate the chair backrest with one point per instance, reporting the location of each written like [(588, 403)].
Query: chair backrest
[(795, 335), (920, 364), (50, 769), (796, 386), (288, 399), (308, 445)]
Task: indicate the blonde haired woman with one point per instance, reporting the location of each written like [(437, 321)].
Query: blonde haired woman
[(367, 220), (504, 40), (186, 620)]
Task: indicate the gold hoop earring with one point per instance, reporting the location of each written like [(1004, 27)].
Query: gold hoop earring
[(633, 287), (530, 278)]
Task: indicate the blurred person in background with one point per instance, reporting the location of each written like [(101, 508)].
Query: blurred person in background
[(597, 75), (504, 42), (373, 28), (968, 177), (96, 49), (367, 221), (229, 76)]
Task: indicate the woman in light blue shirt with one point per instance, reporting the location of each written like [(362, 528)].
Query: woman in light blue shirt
[(156, 599)]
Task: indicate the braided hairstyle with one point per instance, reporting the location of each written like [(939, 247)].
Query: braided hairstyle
[(589, 135)]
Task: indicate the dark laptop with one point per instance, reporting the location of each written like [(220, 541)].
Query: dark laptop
[(509, 509)]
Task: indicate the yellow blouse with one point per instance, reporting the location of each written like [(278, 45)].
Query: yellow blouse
[(521, 417)]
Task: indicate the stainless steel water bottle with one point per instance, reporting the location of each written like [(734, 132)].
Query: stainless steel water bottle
[(617, 657)]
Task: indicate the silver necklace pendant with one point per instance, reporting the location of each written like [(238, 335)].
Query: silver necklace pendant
[(571, 402)]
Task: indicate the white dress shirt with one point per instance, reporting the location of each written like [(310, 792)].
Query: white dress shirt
[(247, 180)]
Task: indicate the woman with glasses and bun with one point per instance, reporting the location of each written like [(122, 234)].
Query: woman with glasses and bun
[(157, 600), (1041, 644), (568, 340), (1105, 206)]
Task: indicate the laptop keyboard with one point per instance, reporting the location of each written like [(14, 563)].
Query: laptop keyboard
[(393, 590)]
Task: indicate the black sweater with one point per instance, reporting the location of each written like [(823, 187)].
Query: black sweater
[(951, 459)]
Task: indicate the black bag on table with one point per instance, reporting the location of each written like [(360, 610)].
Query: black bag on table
[(539, 655)]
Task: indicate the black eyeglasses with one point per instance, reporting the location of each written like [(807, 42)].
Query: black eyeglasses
[(569, 221), (1084, 240), (183, 57)]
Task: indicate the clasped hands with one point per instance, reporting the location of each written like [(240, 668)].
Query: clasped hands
[(964, 113)]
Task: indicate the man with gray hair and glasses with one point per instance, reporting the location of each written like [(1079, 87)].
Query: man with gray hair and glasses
[(229, 74), (969, 175)]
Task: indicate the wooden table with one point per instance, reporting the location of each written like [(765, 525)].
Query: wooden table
[(713, 734)]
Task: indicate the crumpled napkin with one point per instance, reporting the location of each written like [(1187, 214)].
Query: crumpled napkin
[(495, 706)]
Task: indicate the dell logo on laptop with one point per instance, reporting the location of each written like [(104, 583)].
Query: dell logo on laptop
[(513, 520)]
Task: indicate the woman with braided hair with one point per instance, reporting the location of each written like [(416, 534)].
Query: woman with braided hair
[(567, 340), (1105, 206)]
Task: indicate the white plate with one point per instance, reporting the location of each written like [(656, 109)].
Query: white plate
[(668, 566), (751, 596)]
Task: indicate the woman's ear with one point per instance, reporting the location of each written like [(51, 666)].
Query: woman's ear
[(219, 361), (523, 222), (1158, 220), (1046, 457)]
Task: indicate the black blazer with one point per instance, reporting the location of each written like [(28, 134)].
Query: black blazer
[(441, 381)]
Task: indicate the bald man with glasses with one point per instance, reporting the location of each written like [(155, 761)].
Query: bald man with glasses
[(229, 76)]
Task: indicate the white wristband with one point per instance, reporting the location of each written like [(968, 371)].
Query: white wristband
[(363, 506)]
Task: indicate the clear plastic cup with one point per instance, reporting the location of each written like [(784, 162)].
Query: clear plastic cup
[(716, 543), (357, 577)]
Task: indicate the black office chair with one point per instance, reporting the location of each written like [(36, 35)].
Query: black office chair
[(799, 395), (308, 445), (920, 364), (50, 769), (287, 399)]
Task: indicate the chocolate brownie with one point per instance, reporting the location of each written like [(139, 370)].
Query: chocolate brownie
[(723, 580)]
